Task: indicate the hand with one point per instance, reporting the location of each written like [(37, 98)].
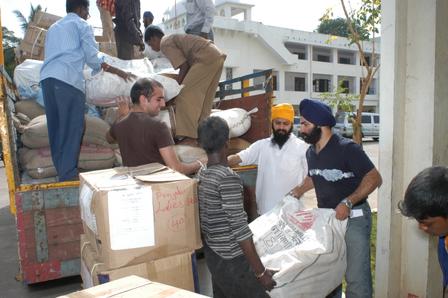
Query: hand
[(342, 212), (295, 193), (127, 76), (267, 281), (123, 106)]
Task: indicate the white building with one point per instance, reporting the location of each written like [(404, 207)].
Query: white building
[(305, 64)]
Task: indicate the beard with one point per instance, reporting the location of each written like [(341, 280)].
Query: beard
[(313, 137), (280, 136)]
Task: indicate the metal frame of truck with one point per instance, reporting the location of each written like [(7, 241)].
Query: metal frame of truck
[(47, 215)]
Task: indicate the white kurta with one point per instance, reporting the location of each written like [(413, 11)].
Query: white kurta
[(279, 170)]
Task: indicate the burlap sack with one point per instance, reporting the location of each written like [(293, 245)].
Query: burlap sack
[(29, 108), (38, 163), (36, 133), (189, 154)]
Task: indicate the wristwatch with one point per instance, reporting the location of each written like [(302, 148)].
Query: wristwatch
[(347, 203)]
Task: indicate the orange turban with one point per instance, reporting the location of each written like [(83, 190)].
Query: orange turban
[(284, 111)]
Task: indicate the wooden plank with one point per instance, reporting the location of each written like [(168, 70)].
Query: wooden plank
[(40, 236), (50, 198)]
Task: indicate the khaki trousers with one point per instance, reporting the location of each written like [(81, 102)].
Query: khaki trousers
[(195, 100)]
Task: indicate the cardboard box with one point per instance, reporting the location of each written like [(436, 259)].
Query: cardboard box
[(44, 19), (109, 48), (176, 271), (129, 221), (33, 43), (133, 287)]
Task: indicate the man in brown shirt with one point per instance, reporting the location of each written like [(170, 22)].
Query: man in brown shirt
[(142, 138), (200, 65)]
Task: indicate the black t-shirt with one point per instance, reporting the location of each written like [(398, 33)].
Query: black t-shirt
[(140, 137), (337, 170)]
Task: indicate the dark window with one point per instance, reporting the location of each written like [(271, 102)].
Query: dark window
[(346, 85), (321, 85), (323, 58), (299, 84), (367, 60), (344, 60), (229, 76), (301, 56), (376, 119), (366, 119), (274, 82)]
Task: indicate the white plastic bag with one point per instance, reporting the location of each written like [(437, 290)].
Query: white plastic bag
[(307, 246)]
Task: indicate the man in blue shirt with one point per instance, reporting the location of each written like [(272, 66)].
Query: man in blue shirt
[(343, 176), (69, 45), (426, 200)]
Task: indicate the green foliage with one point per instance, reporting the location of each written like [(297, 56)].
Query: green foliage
[(24, 22), (9, 43), (339, 27), (340, 98)]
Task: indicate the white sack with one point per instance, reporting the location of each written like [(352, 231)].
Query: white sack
[(307, 246), (237, 119), (103, 87), (27, 73)]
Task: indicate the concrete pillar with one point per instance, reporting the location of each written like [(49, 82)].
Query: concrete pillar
[(414, 135)]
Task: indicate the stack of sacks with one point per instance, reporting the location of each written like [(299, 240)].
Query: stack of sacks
[(35, 157), (141, 221), (103, 88), (307, 246)]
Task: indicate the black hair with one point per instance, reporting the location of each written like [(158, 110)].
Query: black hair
[(144, 87), (153, 31), (213, 134), (427, 194), (72, 5)]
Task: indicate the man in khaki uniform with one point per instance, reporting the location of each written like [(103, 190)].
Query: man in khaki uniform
[(200, 65)]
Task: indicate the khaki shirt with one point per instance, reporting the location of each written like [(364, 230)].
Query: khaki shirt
[(181, 48)]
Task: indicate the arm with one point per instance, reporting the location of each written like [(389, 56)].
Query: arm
[(171, 160), (208, 9), (299, 190), (234, 160), (368, 184), (263, 274), (109, 138), (183, 70)]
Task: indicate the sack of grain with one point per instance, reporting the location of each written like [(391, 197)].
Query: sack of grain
[(36, 133), (38, 163), (30, 108), (237, 119)]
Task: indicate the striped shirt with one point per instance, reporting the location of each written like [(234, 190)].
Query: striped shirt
[(221, 212)]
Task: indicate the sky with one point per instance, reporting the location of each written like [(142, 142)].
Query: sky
[(295, 14)]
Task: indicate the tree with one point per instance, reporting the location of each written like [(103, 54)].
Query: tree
[(9, 43), (338, 27), (24, 22), (340, 99), (366, 17)]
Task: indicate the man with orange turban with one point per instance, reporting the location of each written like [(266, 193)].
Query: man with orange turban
[(280, 159)]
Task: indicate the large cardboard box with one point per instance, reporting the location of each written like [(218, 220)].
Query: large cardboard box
[(44, 19), (33, 43), (132, 215), (133, 287), (176, 271)]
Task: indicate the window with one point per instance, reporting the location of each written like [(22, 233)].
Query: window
[(366, 119), (346, 85), (376, 119), (275, 82), (301, 56), (229, 76), (372, 88), (299, 84), (344, 60), (323, 58), (321, 85)]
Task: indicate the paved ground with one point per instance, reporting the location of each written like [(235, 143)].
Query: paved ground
[(11, 288)]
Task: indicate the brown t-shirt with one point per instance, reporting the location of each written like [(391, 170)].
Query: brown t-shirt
[(180, 48), (140, 137)]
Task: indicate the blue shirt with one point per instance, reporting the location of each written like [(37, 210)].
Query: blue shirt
[(443, 260), (69, 45), (337, 170)]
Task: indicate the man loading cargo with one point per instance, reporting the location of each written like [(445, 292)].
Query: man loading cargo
[(69, 45), (200, 65), (142, 138), (343, 177), (280, 159)]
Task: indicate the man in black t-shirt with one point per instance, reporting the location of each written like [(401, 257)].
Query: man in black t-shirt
[(141, 137), (343, 176)]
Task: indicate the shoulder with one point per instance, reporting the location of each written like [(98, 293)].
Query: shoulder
[(298, 143)]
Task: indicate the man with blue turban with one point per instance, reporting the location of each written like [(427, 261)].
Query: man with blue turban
[(343, 176)]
